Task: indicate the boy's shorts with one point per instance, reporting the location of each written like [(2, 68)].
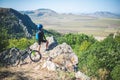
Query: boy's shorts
[(40, 41)]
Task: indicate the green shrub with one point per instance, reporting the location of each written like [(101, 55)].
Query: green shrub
[(20, 43), (115, 74)]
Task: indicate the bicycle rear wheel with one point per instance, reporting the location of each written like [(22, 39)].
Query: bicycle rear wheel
[(35, 56), (14, 62), (14, 59)]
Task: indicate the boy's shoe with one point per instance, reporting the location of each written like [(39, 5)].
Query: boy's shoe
[(47, 49)]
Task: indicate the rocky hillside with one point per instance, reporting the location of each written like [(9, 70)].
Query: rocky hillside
[(56, 64), (17, 24)]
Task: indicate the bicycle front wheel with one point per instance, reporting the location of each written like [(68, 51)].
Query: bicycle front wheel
[(35, 56)]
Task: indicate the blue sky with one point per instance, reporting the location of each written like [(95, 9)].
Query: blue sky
[(64, 6)]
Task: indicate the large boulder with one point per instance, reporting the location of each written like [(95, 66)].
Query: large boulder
[(61, 49), (63, 56)]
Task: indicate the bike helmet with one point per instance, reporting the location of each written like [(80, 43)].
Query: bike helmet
[(39, 26)]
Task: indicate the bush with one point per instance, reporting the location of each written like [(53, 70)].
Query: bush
[(75, 39), (20, 43), (115, 74)]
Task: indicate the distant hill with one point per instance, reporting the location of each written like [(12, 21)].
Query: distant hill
[(40, 12), (17, 24), (103, 14), (48, 12)]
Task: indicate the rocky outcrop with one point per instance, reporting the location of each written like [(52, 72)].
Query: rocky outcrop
[(59, 58), (64, 57)]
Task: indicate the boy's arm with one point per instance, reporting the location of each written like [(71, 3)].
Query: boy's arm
[(44, 37)]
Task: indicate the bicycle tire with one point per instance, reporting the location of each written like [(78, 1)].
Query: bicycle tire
[(14, 60), (35, 56), (16, 63)]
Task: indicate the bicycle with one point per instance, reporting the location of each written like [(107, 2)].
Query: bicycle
[(17, 56)]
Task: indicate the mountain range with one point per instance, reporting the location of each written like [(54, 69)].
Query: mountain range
[(49, 12)]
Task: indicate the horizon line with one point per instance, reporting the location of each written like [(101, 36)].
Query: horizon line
[(74, 12)]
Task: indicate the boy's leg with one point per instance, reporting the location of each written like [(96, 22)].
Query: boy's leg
[(39, 46), (47, 44)]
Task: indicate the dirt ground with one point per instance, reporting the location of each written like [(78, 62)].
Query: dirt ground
[(31, 71), (27, 71)]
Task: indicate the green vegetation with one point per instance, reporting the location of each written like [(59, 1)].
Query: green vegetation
[(97, 59), (6, 41), (22, 43), (116, 73), (3, 39)]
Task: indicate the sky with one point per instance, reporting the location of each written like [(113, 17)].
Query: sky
[(64, 6)]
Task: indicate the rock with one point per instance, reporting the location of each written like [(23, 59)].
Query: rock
[(61, 49), (49, 66), (52, 42), (7, 56), (59, 60), (64, 56), (81, 76), (74, 58)]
